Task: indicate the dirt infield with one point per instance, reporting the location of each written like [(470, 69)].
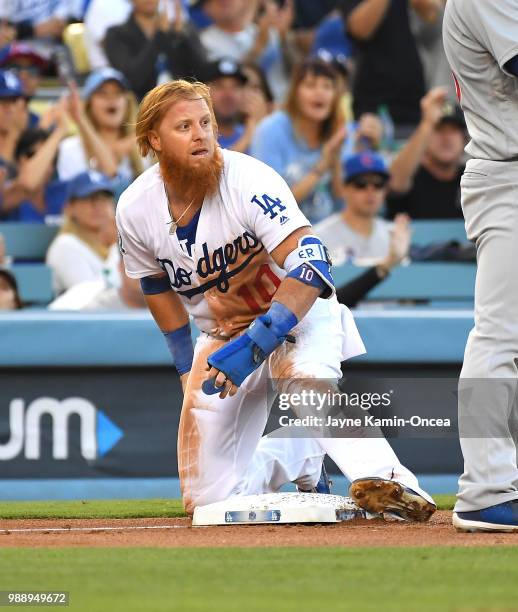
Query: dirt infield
[(179, 533)]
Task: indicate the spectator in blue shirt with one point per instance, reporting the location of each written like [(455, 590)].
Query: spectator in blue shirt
[(303, 142), (34, 195)]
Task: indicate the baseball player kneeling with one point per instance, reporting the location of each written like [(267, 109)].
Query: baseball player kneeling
[(218, 235)]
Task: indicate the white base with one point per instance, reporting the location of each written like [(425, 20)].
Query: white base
[(276, 508)]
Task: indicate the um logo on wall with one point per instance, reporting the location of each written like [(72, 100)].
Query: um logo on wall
[(98, 434)]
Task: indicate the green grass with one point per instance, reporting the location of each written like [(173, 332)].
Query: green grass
[(99, 508), (264, 580), (444, 502), (119, 508)]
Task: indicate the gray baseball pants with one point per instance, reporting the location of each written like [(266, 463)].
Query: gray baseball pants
[(489, 377)]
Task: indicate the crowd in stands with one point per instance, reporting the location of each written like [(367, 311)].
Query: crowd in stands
[(349, 100)]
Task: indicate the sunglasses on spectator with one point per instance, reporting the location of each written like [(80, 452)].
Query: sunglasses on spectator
[(363, 182)]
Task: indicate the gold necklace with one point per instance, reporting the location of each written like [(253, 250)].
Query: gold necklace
[(174, 224)]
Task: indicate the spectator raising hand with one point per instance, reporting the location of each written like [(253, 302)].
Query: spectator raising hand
[(89, 147), (37, 169), (432, 106), (399, 245), (33, 195), (369, 133), (426, 172), (285, 18), (254, 107), (272, 17), (405, 164), (105, 119), (331, 150), (178, 21)]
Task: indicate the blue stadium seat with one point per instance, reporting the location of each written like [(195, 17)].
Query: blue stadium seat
[(418, 281), (34, 283), (425, 232), (27, 241)]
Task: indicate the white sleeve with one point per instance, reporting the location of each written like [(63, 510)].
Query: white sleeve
[(137, 257), (496, 22), (68, 264), (101, 15), (271, 210), (71, 158)]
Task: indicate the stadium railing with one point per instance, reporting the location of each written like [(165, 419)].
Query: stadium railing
[(425, 232), (418, 282)]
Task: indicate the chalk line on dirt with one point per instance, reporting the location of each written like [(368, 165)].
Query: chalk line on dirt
[(89, 529)]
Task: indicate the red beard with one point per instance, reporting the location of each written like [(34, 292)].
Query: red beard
[(192, 182)]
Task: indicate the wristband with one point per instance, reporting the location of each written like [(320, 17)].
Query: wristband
[(180, 346), (281, 319), (243, 355)]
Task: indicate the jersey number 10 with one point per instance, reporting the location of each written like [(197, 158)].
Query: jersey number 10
[(260, 288)]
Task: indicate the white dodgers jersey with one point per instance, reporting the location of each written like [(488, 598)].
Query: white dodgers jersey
[(226, 277)]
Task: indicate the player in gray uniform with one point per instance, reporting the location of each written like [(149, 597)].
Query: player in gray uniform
[(481, 43)]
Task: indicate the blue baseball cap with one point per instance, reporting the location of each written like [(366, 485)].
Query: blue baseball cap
[(87, 183), (101, 76), (10, 85), (332, 38), (364, 163)]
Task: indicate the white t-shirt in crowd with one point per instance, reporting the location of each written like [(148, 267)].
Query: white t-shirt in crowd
[(224, 276), (72, 261), (72, 160), (220, 44), (344, 244), (100, 16), (90, 295)]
